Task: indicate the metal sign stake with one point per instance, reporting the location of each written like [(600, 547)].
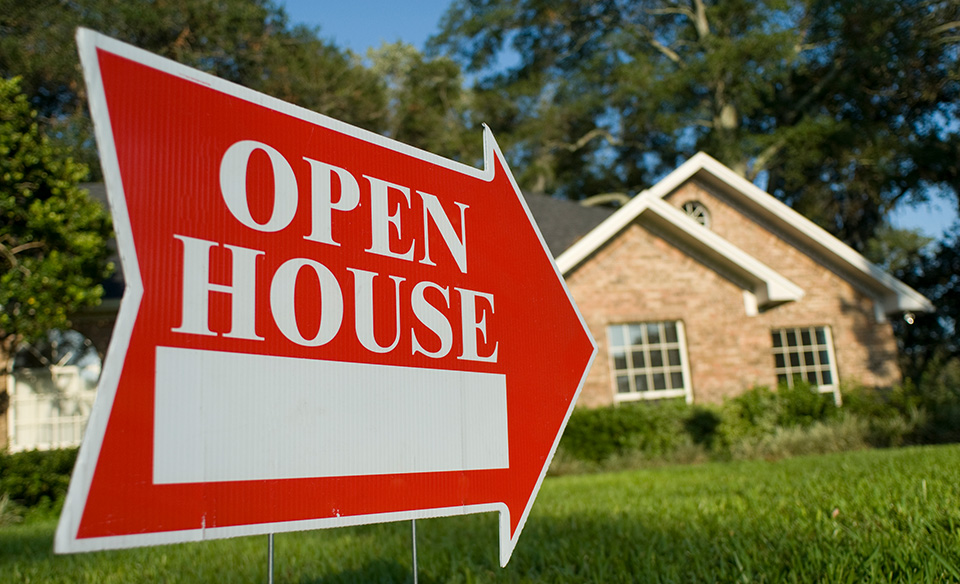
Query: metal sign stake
[(270, 558), (413, 529)]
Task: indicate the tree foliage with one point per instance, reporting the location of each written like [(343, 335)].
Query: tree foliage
[(845, 109), (246, 41), (929, 341), (427, 104), (52, 235)]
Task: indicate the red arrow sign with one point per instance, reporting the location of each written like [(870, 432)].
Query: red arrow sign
[(321, 327)]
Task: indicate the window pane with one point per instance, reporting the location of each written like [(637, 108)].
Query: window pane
[(659, 381), (636, 334), (653, 333), (804, 353), (782, 378), (670, 331), (616, 336), (821, 336), (623, 384), (641, 382), (673, 356), (619, 360), (676, 380), (638, 360), (656, 358)]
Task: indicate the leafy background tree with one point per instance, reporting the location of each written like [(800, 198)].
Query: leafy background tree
[(250, 42), (53, 237)]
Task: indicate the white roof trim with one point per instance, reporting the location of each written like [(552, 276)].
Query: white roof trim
[(769, 286), (899, 297)]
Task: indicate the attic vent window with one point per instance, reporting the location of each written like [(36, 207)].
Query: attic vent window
[(698, 211)]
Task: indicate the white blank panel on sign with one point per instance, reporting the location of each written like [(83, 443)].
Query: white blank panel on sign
[(237, 417)]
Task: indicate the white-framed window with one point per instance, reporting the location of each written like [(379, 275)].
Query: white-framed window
[(806, 353), (649, 361)]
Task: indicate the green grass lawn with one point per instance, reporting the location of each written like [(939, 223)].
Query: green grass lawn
[(872, 516)]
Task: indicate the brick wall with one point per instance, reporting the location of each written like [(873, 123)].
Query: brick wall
[(641, 276)]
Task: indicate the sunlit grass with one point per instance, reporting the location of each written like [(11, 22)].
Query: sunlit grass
[(877, 516)]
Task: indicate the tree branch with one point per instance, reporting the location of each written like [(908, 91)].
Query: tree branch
[(586, 138), (678, 10), (11, 254), (700, 21), (666, 51), (945, 27)]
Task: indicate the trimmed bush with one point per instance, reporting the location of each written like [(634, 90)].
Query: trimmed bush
[(37, 479), (596, 435), (802, 405), (759, 423)]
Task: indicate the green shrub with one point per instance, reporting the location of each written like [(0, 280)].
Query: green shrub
[(938, 394), (923, 412), (747, 416), (703, 424), (802, 405), (37, 479), (893, 416), (596, 435), (763, 423), (843, 435), (10, 513)]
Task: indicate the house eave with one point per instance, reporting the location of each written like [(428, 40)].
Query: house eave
[(894, 295), (769, 287)]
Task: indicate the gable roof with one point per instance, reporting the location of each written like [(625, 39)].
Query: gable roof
[(562, 222), (769, 287)]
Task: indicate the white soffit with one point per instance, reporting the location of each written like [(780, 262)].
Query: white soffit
[(898, 297)]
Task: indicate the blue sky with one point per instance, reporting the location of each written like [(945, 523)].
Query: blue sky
[(362, 24)]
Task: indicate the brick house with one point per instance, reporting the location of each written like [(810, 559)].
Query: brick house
[(704, 286)]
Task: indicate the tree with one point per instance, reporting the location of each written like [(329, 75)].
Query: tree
[(53, 237), (844, 109), (427, 105), (930, 340), (246, 41)]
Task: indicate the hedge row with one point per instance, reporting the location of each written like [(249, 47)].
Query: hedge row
[(763, 422), (36, 480)]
